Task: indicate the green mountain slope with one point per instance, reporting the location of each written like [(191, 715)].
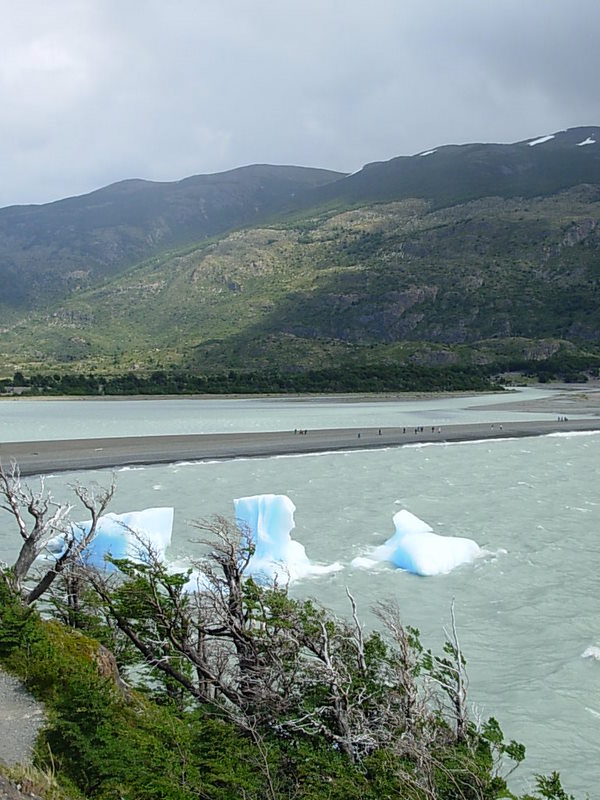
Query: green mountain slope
[(48, 251), (462, 255), (51, 250), (395, 281)]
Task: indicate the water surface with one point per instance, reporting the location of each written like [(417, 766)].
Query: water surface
[(526, 611), (23, 420)]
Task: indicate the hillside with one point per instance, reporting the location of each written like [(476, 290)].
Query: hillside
[(392, 281), (51, 250), (355, 279)]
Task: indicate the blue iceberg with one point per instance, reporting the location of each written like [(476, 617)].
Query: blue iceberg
[(415, 548), (269, 520), (132, 535)]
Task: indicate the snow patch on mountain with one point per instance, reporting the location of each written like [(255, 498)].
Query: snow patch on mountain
[(541, 140)]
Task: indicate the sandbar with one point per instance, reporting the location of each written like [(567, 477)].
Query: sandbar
[(578, 399), (34, 458)]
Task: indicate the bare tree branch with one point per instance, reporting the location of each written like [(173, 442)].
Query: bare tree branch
[(49, 520), (48, 517)]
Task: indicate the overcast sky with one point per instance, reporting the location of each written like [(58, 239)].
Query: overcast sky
[(94, 91)]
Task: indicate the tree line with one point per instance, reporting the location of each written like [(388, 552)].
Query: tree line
[(364, 378), (351, 378)]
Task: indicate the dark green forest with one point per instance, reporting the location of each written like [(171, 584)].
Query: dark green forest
[(364, 378)]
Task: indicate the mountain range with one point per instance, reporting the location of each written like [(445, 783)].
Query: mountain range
[(463, 254)]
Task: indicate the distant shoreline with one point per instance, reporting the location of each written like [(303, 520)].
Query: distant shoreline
[(570, 389), (341, 397), (73, 455)]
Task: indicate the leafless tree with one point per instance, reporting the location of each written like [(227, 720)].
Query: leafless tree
[(450, 674), (39, 519), (405, 664)]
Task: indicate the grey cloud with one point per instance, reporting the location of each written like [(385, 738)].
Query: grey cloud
[(93, 91)]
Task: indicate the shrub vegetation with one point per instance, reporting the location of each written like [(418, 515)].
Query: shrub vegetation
[(238, 690)]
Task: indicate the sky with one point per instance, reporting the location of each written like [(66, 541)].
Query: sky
[(96, 91)]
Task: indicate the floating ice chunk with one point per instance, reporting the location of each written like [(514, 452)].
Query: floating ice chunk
[(361, 562), (589, 140), (427, 153), (416, 548), (541, 140), (591, 652), (122, 536), (269, 519)]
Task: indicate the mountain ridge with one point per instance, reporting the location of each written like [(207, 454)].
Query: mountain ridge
[(328, 269), (455, 173), (96, 234)]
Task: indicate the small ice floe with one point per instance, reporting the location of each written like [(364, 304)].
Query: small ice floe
[(427, 153), (589, 140), (414, 547), (269, 520), (362, 562), (495, 555), (593, 651), (541, 140)]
